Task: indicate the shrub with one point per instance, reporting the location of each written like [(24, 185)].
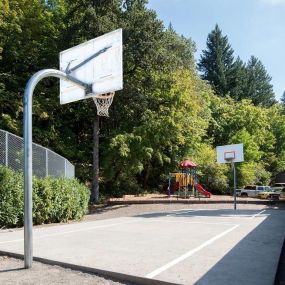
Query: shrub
[(54, 200), (59, 200), (11, 198)]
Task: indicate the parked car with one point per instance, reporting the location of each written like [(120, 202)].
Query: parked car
[(252, 190), (268, 195), (277, 187), (282, 193)]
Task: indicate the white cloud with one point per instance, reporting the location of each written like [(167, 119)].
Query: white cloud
[(274, 2)]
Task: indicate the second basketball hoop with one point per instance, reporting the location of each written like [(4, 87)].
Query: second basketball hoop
[(230, 153)]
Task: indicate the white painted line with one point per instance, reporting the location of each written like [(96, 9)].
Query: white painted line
[(214, 217), (256, 215), (196, 216), (74, 231), (182, 210), (185, 222), (201, 209), (189, 253), (163, 212), (236, 216)]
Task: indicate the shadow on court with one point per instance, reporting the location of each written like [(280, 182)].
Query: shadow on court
[(94, 209), (254, 260), (201, 213), (250, 261)]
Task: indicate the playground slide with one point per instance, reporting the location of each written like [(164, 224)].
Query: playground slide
[(202, 190)]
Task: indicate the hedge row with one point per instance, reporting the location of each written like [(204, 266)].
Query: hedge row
[(54, 200)]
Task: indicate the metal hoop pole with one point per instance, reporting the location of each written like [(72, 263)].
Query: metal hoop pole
[(235, 186), (28, 153)]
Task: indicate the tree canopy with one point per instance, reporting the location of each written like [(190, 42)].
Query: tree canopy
[(166, 111), (233, 77), (216, 63)]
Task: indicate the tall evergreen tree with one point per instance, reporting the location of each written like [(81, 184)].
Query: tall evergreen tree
[(283, 99), (238, 79), (258, 86), (216, 63), (283, 102)]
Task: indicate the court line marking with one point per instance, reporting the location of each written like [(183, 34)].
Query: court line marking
[(183, 210), (213, 217), (256, 215), (127, 222), (250, 216), (110, 225), (200, 209), (188, 254), (73, 231), (185, 222), (164, 212)]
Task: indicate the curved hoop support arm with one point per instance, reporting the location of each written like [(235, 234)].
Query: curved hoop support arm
[(28, 97)]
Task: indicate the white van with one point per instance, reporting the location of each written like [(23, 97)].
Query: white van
[(282, 193), (252, 190), (277, 187)]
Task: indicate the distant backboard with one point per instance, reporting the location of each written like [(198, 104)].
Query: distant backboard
[(230, 153), (104, 71)]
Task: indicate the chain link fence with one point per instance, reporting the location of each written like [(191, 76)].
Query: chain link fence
[(45, 162)]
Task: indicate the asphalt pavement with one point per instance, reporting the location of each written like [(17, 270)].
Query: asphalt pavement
[(186, 246)]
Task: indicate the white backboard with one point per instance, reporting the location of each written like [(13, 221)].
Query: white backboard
[(104, 72), (229, 153)]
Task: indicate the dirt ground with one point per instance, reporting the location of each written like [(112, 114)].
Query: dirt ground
[(12, 272)]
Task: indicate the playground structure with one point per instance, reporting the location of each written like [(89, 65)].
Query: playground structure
[(184, 183)]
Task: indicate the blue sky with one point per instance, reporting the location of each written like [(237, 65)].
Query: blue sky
[(253, 27)]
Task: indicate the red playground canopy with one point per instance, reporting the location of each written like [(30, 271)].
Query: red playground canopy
[(187, 164)]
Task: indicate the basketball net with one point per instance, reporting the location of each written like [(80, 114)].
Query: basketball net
[(103, 102), (230, 160)]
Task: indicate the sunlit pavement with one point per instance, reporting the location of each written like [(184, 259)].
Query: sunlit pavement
[(182, 246)]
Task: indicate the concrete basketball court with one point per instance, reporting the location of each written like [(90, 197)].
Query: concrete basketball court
[(179, 247)]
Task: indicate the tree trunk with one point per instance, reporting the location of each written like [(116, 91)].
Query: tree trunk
[(95, 179), (146, 177)]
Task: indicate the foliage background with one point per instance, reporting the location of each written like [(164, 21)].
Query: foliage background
[(167, 111), (54, 200)]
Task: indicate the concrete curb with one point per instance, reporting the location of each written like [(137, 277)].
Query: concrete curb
[(129, 202), (115, 276)]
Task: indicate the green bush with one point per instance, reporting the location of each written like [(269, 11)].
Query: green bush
[(11, 198), (54, 200)]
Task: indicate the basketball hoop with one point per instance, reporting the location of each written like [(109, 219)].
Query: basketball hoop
[(103, 102), (229, 156)]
